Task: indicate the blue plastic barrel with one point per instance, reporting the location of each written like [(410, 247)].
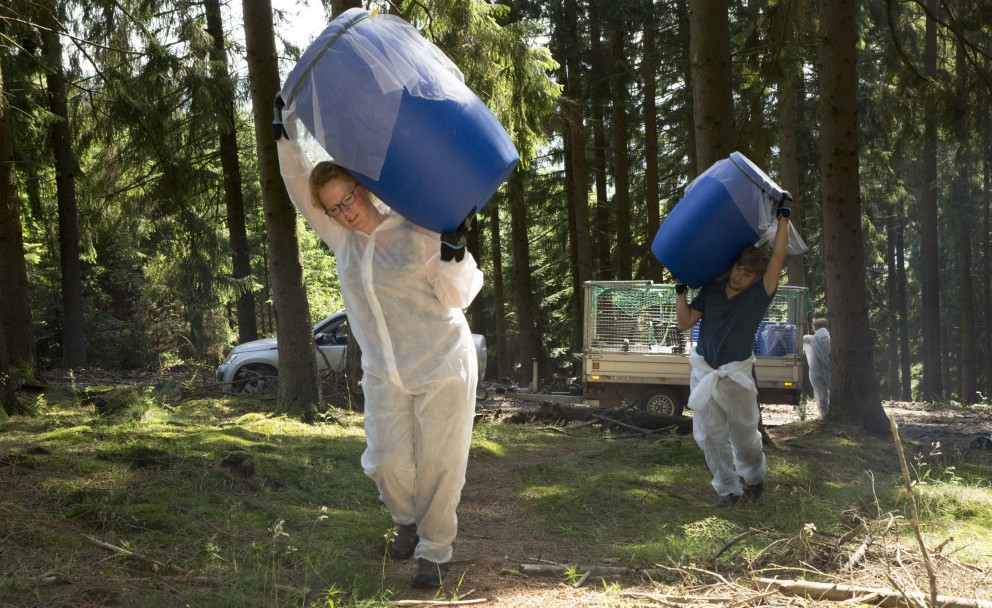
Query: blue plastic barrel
[(387, 105), (721, 213), (779, 339), (759, 338)]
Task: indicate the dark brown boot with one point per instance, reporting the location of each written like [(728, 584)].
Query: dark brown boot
[(404, 541)]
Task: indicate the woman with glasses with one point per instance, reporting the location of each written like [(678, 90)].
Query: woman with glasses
[(404, 288)]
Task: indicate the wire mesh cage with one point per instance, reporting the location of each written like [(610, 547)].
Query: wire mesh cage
[(639, 317)]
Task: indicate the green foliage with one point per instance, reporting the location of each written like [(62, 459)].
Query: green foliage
[(176, 488), (148, 97)]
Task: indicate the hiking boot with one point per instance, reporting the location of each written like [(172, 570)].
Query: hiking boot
[(429, 575), (727, 500), (751, 493), (404, 541)]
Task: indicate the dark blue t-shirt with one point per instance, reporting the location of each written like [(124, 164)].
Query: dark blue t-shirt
[(728, 326)]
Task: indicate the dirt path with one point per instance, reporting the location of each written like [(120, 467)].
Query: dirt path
[(497, 532)]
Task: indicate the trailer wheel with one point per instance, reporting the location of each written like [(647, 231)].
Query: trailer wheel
[(661, 401)]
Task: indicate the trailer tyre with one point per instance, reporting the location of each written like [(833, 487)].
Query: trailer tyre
[(661, 401)]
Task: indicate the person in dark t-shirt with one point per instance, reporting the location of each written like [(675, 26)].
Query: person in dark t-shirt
[(723, 396)]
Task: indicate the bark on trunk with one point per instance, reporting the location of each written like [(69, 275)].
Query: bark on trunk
[(854, 393), (522, 281), (299, 390), (73, 328), (580, 169), (987, 259), (788, 163), (905, 361), (622, 262), (499, 294), (709, 57), (233, 196), (7, 398), (967, 329), (932, 384), (651, 186), (892, 289), (15, 298), (602, 232)]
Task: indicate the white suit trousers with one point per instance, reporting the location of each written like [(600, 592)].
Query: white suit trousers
[(417, 451), (725, 419)]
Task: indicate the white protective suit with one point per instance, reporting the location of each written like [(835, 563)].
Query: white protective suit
[(725, 418), (419, 362), (817, 349)]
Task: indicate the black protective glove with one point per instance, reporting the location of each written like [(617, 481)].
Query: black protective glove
[(783, 209), (278, 129), (453, 243), (681, 288)]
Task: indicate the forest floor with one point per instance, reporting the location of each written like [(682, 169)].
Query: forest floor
[(498, 533), (501, 536)]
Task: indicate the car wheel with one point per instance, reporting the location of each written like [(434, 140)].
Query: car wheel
[(255, 378), (661, 401)]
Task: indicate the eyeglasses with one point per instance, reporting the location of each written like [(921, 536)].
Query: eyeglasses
[(345, 202)]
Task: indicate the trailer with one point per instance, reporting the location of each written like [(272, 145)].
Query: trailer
[(634, 353)]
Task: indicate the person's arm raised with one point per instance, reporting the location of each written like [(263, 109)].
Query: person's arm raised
[(781, 246)]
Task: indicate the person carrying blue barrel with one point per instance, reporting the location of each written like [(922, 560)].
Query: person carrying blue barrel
[(723, 395), (404, 288)]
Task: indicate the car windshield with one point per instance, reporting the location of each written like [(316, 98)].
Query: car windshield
[(335, 332)]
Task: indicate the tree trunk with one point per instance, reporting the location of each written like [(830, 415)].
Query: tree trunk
[(651, 186), (299, 391), (622, 262), (709, 57), (987, 259), (892, 289), (932, 385), (688, 109), (946, 360), (788, 163), (8, 401), (854, 387), (523, 288), (15, 298), (567, 147), (580, 169), (73, 327), (233, 196), (598, 94), (967, 329), (902, 304), (340, 6), (499, 294)]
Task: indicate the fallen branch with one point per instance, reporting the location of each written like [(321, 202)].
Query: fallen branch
[(850, 534), (733, 541), (582, 580), (156, 565), (665, 599), (666, 429), (836, 592), (621, 424), (859, 553), (547, 570), (479, 600), (915, 513)]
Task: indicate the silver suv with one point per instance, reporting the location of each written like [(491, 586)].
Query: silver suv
[(254, 366)]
